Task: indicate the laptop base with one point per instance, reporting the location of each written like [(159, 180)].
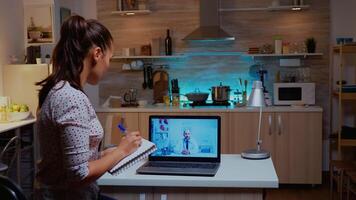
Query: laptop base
[(180, 171)]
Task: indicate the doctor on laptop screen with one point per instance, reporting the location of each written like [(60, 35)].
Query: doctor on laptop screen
[(185, 137)]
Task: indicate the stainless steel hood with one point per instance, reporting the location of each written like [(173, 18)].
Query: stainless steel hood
[(209, 28)]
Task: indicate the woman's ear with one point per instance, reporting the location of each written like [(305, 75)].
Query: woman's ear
[(97, 53)]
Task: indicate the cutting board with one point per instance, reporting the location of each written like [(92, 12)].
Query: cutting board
[(160, 85)]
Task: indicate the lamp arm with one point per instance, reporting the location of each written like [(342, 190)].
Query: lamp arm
[(259, 131)]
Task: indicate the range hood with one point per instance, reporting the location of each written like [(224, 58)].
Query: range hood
[(209, 28)]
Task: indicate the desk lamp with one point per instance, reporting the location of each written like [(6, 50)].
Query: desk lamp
[(256, 99)]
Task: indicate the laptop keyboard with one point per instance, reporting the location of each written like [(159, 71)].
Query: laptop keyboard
[(182, 165)]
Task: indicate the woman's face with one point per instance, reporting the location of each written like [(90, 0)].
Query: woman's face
[(102, 60)]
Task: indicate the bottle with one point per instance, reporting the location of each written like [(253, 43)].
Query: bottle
[(168, 44)]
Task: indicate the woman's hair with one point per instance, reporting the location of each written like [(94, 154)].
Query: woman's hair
[(78, 36)]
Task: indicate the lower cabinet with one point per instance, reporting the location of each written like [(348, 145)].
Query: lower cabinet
[(294, 139), (179, 193), (109, 121)]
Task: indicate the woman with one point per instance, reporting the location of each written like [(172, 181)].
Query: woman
[(68, 128)]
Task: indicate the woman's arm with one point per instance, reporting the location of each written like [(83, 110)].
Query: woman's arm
[(97, 168), (107, 151)]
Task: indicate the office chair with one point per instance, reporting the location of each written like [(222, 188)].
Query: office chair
[(9, 190)]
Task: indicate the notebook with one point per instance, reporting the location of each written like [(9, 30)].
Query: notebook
[(142, 152), (186, 145)]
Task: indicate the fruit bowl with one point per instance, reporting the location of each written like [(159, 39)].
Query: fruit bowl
[(17, 116)]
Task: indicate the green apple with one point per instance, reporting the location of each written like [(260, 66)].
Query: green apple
[(15, 107), (23, 108), (9, 109)]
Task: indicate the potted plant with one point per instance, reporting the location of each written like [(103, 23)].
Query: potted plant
[(48, 59), (38, 57), (310, 44)]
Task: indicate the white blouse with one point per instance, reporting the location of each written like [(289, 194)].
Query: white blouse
[(69, 135)]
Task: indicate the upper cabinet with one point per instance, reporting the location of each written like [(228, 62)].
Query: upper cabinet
[(132, 7)]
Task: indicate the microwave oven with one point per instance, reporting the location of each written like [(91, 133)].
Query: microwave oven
[(294, 93)]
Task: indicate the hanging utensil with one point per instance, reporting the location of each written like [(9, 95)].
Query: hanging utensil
[(144, 84), (149, 76)]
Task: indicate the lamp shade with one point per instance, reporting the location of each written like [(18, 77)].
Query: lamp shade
[(257, 98)]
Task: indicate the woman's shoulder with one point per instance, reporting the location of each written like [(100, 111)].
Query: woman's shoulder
[(63, 92)]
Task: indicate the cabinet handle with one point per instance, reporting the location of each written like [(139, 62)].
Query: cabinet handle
[(270, 124), (279, 125)]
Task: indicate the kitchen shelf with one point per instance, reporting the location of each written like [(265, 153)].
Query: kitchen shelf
[(340, 51), (348, 142), (286, 55), (345, 49), (345, 95), (215, 53), (271, 8), (291, 8), (146, 57), (131, 12)]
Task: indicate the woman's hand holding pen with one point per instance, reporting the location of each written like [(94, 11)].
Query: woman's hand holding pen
[(129, 143)]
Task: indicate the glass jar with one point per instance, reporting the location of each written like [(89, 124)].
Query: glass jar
[(3, 114), (175, 101), (285, 48)]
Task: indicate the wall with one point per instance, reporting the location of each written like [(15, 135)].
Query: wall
[(87, 9), (11, 33)]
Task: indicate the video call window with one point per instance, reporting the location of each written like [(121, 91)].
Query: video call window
[(185, 137)]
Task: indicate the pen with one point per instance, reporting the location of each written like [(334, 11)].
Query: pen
[(122, 128)]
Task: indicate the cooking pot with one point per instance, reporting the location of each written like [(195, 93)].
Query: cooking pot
[(197, 96), (220, 93)]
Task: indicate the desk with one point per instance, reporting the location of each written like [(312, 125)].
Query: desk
[(4, 127), (236, 178)]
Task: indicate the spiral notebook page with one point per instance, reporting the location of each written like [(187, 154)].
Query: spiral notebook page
[(142, 152)]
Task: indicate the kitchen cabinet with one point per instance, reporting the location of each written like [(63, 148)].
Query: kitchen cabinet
[(293, 139), (131, 7), (205, 194), (304, 134), (109, 121), (144, 117)]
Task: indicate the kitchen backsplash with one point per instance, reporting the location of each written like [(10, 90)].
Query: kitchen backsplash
[(252, 28)]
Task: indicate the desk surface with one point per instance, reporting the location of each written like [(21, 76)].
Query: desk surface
[(234, 171), (13, 125)]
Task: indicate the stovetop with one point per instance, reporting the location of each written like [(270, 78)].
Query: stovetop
[(214, 103)]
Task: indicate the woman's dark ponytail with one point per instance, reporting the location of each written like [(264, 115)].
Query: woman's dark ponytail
[(78, 36)]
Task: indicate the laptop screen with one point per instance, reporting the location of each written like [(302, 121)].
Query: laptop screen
[(185, 138)]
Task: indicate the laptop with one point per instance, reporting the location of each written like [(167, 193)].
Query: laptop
[(186, 145)]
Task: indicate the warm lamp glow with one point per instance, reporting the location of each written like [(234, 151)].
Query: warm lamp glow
[(296, 8)]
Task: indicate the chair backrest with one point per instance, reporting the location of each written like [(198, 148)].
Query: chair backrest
[(12, 140), (9, 190)]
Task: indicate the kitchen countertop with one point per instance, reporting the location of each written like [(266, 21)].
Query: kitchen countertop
[(162, 109), (13, 125)]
